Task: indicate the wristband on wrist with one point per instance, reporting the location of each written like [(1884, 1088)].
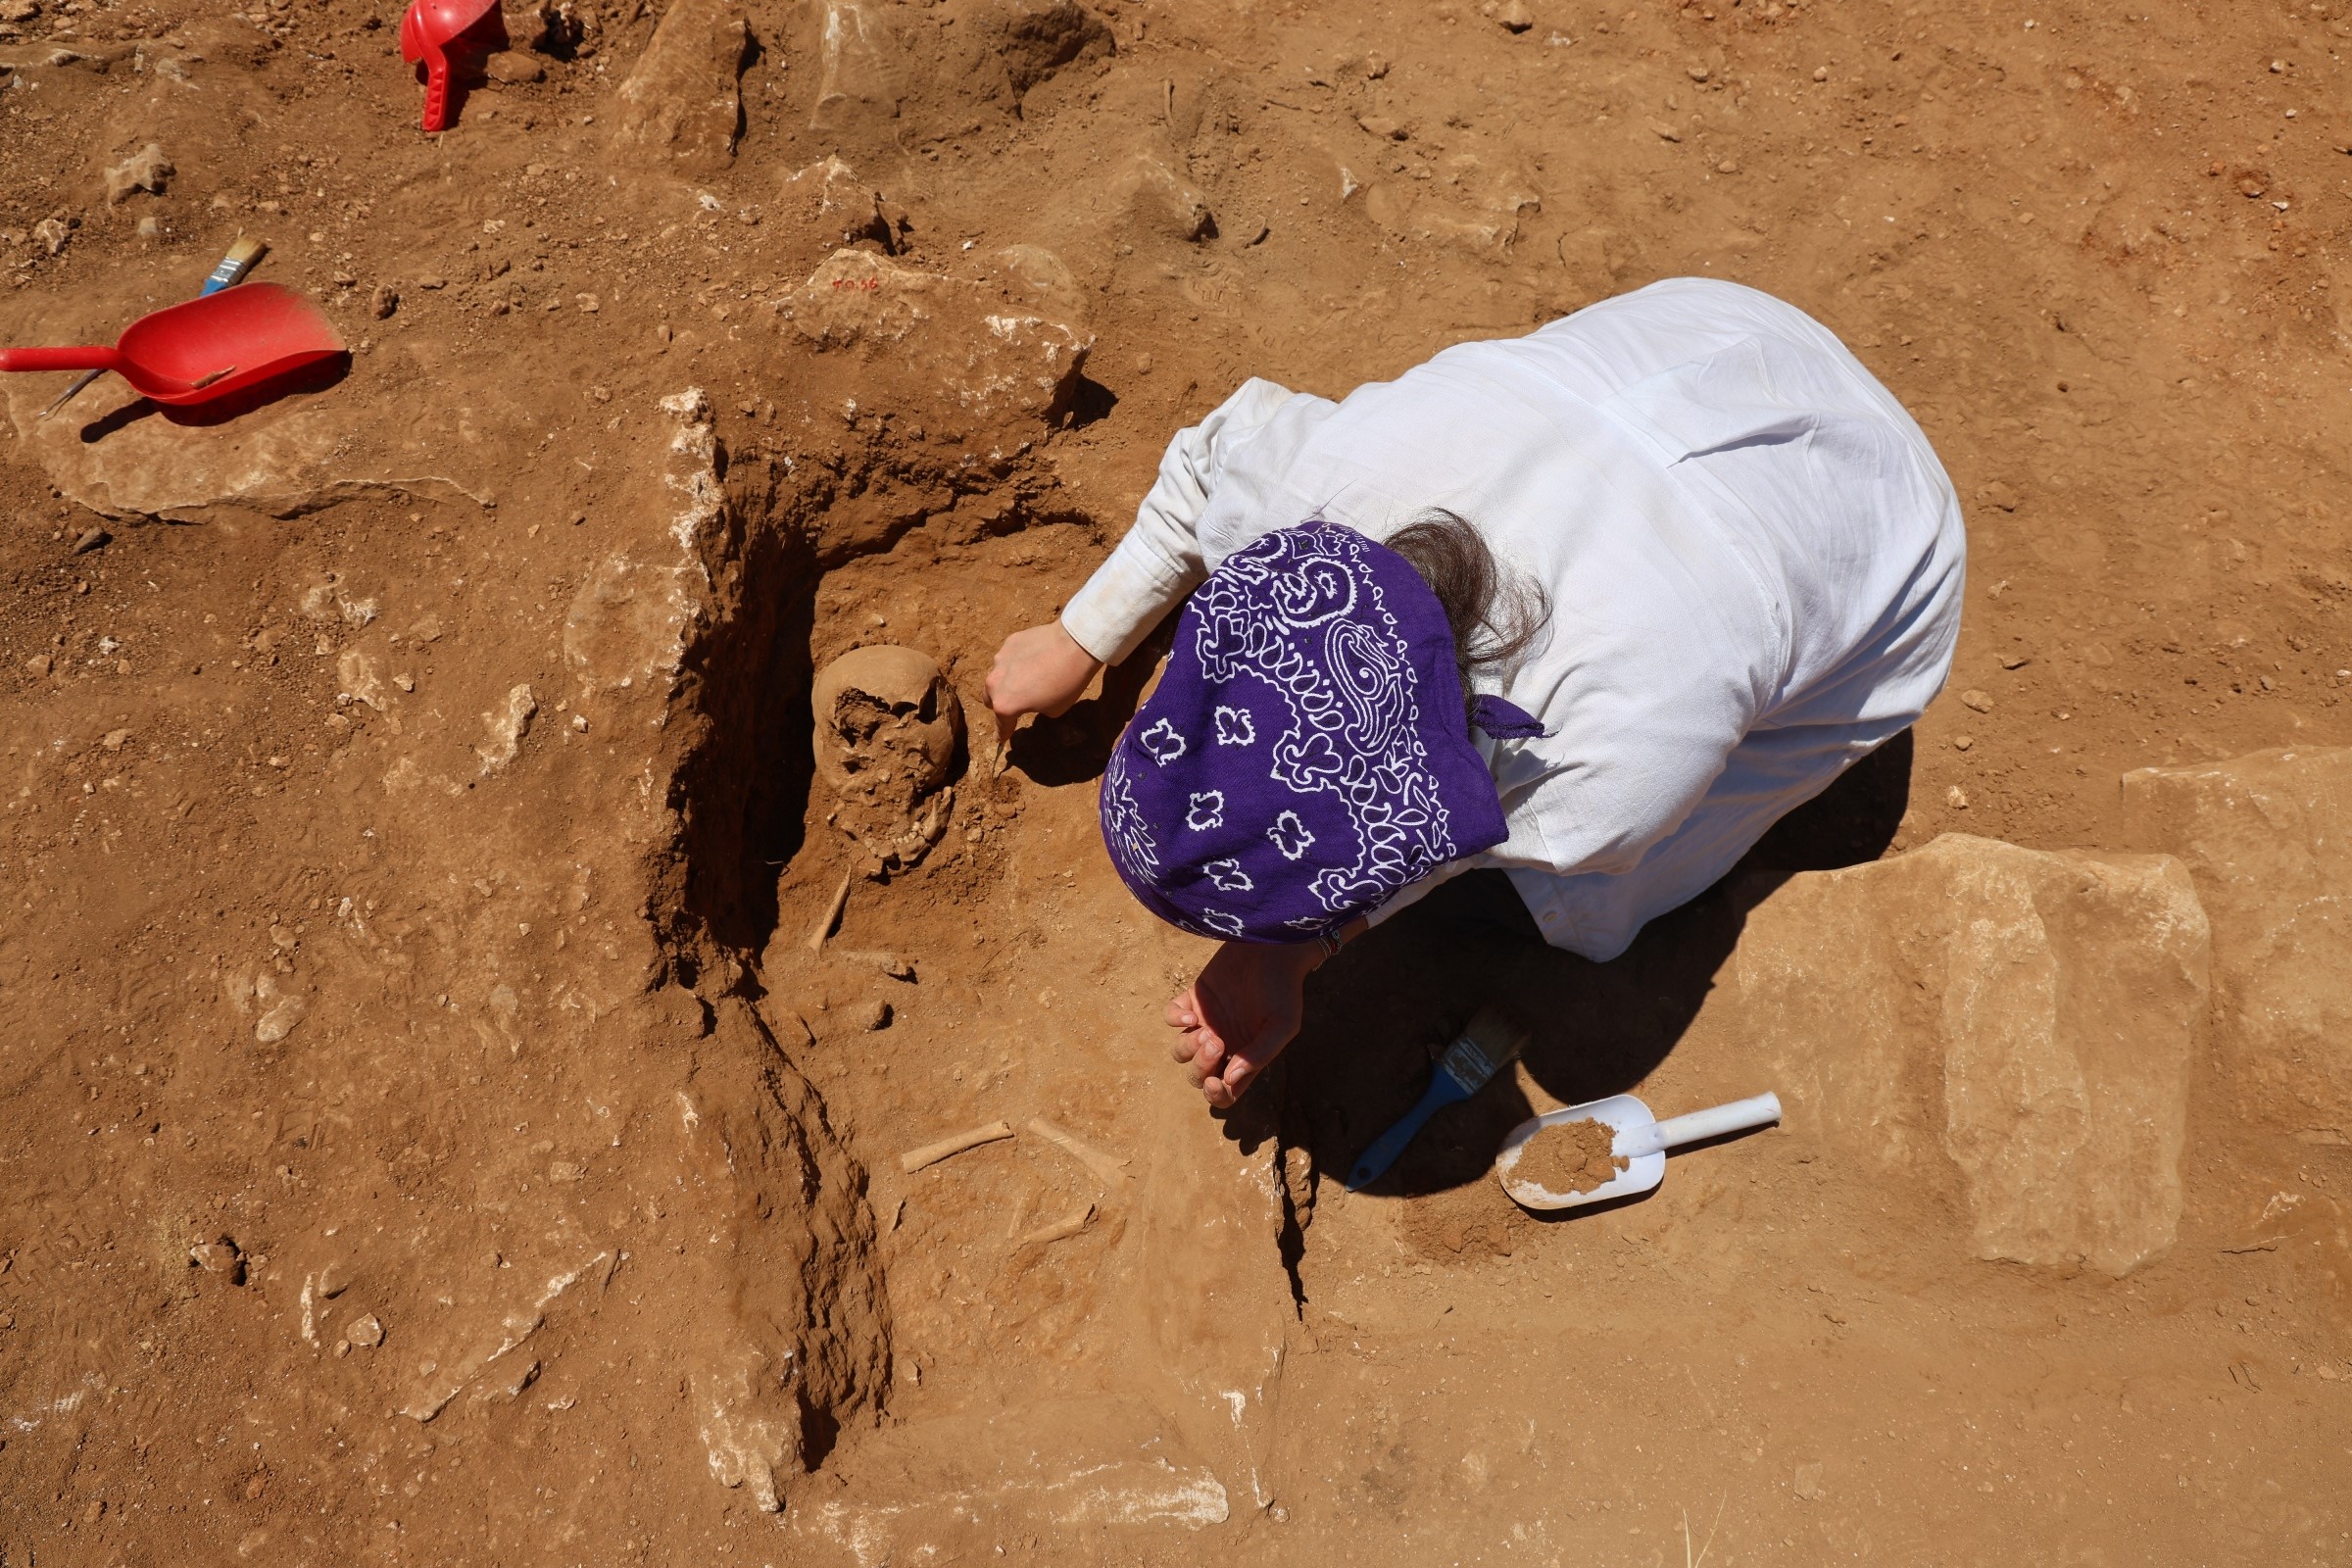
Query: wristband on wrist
[(1331, 943)]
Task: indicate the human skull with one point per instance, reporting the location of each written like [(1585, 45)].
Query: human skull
[(887, 724)]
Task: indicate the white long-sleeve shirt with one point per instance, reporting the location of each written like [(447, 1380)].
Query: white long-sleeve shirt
[(1753, 561)]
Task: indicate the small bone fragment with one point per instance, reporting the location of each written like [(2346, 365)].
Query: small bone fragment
[(825, 927), (1003, 749), (915, 1159), (1061, 1230), (1105, 1166)]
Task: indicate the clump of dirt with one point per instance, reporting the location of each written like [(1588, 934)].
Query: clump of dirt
[(1572, 1157)]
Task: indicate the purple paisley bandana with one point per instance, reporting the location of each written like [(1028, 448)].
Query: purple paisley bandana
[(1304, 755)]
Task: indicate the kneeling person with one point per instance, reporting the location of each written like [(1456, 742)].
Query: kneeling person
[(1596, 606)]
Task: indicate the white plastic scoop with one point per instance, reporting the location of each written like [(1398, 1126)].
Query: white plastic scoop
[(1639, 1138)]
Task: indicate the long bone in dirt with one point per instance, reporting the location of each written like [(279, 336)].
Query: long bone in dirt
[(1636, 1138), (205, 349)]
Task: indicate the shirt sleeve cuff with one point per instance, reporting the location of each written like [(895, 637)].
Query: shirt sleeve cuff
[(1125, 598)]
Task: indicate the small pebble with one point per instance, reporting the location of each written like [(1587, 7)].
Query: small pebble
[(1961, 743), (1821, 73), (219, 1257), (2017, 660), (92, 539), (1514, 17), (367, 1332), (1956, 798), (1980, 701), (874, 1015), (383, 302), (37, 664)]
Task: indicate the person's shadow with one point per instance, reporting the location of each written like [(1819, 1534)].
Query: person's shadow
[(1381, 1014), (1076, 747)]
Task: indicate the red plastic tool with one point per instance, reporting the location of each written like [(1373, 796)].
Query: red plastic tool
[(435, 30), (205, 349)]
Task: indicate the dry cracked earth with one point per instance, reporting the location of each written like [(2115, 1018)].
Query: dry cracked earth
[(464, 1027)]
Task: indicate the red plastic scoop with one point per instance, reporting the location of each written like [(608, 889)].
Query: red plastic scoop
[(205, 349), (435, 30)]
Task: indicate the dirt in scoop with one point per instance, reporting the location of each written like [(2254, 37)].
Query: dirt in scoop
[(1572, 1157)]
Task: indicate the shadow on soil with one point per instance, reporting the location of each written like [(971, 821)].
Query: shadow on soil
[(1075, 748), (1380, 1015)]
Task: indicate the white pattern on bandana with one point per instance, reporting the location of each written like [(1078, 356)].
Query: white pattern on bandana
[(1163, 741)]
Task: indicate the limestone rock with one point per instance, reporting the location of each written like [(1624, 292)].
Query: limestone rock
[(1470, 205), (683, 100), (980, 342), (506, 725), (887, 724), (632, 619), (563, 29), (146, 169), (830, 201), (856, 78), (2266, 838), (513, 68), (1154, 199), (2010, 1025)]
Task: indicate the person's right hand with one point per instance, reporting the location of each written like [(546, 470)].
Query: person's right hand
[(1040, 670)]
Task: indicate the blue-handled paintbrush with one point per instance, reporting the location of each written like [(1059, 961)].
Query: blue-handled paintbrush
[(233, 266), (1489, 1043)]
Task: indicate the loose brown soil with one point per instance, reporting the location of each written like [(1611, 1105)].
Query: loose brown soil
[(1572, 1157), (427, 1134)]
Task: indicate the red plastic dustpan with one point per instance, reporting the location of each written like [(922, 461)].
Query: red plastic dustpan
[(206, 348), (434, 29)]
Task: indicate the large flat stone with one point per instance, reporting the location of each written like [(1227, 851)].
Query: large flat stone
[(2268, 839), (981, 340), (2012, 1026), (682, 101)]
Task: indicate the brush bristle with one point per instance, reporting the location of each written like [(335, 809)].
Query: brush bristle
[(245, 251), (1489, 1041)]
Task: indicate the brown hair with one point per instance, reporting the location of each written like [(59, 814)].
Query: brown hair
[(1495, 614)]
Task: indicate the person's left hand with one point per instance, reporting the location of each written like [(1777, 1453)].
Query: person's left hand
[(1240, 1013)]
